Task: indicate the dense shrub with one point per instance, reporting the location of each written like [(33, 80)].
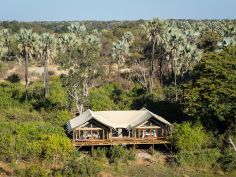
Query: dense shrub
[(205, 158), (10, 95), (81, 167), (99, 153), (57, 117), (22, 114), (228, 159), (32, 171), (117, 153), (57, 94), (100, 98), (54, 147), (29, 140), (131, 154), (57, 97), (189, 137), (111, 97)]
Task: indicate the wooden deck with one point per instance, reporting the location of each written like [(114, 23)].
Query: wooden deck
[(123, 141)]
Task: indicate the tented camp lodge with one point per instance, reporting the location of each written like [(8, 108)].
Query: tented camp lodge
[(118, 127)]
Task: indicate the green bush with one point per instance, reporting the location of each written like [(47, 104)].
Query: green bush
[(81, 167), (99, 153), (117, 153), (228, 159), (54, 147), (30, 140), (131, 154), (111, 97), (56, 117), (189, 137), (7, 141), (205, 158), (57, 97), (100, 98), (22, 114), (57, 94), (10, 95), (32, 171)]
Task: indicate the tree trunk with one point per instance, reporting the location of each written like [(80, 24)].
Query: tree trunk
[(118, 73), (176, 91), (26, 58), (232, 143), (152, 67), (45, 77), (80, 107)]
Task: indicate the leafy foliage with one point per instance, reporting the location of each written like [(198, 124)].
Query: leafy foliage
[(189, 137), (212, 95), (205, 158)]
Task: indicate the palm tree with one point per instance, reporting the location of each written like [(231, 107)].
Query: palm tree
[(47, 44), (128, 37), (1, 46), (6, 38), (153, 31), (78, 29), (120, 49), (26, 40)]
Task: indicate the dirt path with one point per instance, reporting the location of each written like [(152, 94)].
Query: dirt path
[(5, 170)]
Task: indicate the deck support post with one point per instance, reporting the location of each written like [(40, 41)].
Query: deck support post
[(92, 150), (153, 149)]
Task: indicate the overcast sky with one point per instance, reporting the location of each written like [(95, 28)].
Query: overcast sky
[(57, 10)]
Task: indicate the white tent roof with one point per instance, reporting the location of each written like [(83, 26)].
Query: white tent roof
[(115, 119)]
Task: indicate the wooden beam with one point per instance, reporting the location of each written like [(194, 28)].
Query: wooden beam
[(90, 128), (147, 127)]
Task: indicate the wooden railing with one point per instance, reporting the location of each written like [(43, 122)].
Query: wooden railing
[(125, 141)]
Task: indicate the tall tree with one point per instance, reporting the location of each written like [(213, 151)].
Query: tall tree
[(182, 54), (1, 46), (6, 34), (26, 45), (120, 50), (211, 96), (47, 42), (153, 31), (81, 61)]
